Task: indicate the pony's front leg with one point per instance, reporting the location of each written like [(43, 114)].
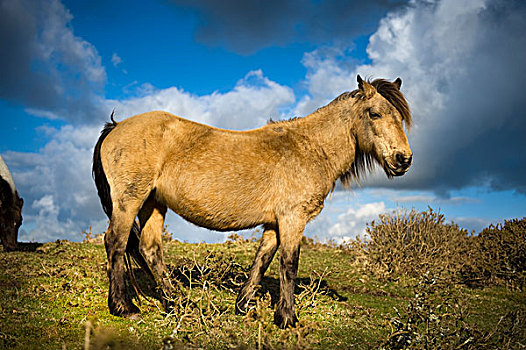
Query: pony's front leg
[(290, 233), (115, 240), (266, 251)]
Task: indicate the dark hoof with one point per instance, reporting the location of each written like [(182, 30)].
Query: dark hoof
[(125, 310), (285, 319), (10, 248)]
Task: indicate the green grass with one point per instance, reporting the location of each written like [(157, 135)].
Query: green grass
[(51, 294)]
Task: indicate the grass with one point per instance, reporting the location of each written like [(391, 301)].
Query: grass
[(53, 296)]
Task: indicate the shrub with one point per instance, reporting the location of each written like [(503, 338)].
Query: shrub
[(502, 251), (413, 243)]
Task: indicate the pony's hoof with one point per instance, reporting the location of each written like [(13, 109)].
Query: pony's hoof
[(285, 320), (133, 317)]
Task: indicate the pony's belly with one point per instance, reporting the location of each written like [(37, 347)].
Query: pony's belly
[(218, 223), (221, 220), (219, 215)]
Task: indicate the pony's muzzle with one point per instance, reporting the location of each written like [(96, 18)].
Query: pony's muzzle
[(402, 163)]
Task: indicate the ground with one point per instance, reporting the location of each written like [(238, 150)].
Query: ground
[(54, 295)]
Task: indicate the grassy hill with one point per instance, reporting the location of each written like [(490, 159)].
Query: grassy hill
[(53, 296)]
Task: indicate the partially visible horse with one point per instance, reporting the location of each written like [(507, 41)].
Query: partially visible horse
[(10, 209), (277, 176)]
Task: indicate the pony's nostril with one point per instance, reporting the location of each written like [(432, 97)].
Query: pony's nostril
[(400, 159)]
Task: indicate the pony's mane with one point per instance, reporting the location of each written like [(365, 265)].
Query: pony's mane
[(363, 163), (391, 93), (272, 121)]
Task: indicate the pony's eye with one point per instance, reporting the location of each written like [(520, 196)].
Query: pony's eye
[(374, 115)]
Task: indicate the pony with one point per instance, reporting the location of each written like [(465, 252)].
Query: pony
[(276, 177), (10, 208)]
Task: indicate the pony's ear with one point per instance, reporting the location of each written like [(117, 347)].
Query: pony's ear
[(367, 89), (359, 80), (398, 83)]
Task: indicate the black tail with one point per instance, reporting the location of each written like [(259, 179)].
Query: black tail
[(103, 187)]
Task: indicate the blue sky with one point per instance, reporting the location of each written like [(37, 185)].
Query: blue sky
[(68, 64)]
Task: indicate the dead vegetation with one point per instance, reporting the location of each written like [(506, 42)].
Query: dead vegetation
[(438, 318), (411, 243), (502, 254)]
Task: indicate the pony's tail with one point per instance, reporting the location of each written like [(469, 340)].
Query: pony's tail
[(103, 187)]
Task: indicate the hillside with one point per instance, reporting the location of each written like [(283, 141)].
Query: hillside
[(53, 296)]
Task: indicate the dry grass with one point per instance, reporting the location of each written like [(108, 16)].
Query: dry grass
[(437, 317)]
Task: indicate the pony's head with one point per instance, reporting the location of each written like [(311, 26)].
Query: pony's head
[(381, 110), (10, 219)]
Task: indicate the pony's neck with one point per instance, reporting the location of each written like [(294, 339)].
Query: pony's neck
[(330, 130)]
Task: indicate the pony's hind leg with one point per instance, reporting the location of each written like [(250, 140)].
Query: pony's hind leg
[(266, 251), (151, 219), (122, 219)]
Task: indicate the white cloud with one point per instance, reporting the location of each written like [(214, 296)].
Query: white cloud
[(249, 104), (429, 198), (115, 59), (475, 224), (57, 44), (353, 222)]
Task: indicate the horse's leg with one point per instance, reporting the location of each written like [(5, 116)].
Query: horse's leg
[(119, 301), (266, 251), (151, 218), (290, 233)]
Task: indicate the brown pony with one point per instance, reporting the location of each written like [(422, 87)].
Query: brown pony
[(276, 176), (10, 209)]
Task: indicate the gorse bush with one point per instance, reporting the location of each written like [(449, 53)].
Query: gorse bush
[(413, 243), (502, 254)]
